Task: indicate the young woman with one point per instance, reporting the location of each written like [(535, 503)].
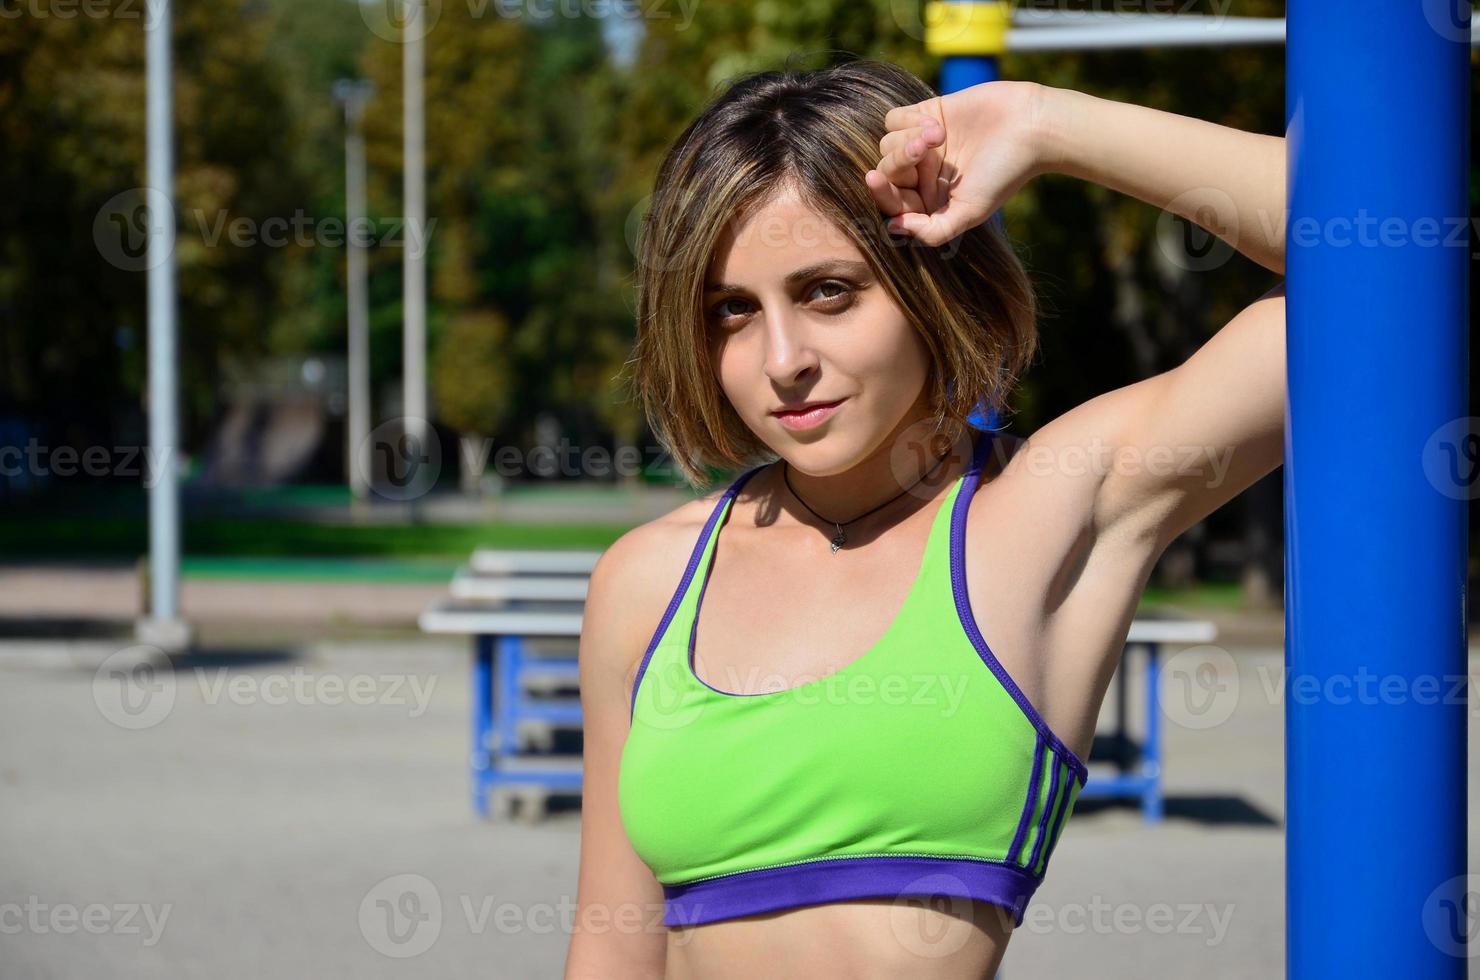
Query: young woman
[(836, 711)]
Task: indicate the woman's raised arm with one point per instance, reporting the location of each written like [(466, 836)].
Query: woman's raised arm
[(1229, 181), (949, 162), (1187, 440)]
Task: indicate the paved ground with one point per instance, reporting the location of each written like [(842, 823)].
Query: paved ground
[(79, 596), (248, 820)]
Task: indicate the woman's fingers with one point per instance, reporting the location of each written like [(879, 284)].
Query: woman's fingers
[(903, 153), (931, 193), (905, 181), (902, 116), (929, 229), (892, 199), (909, 116), (912, 140), (933, 134), (888, 196), (898, 167)]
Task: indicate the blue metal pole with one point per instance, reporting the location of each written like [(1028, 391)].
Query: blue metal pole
[(963, 71), (1377, 110), (480, 760)]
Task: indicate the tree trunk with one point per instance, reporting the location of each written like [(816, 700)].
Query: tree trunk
[(1264, 557), (470, 464)]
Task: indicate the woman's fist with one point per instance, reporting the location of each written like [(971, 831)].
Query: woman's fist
[(946, 164)]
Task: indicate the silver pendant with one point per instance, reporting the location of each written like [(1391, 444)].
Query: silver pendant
[(838, 539)]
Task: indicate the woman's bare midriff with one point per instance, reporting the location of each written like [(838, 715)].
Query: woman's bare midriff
[(862, 939)]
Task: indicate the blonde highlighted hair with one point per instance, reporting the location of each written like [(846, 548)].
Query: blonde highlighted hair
[(815, 132)]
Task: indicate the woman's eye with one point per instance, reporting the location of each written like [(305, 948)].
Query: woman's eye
[(719, 309), (828, 291)]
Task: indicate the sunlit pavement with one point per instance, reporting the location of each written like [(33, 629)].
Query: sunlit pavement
[(303, 813)]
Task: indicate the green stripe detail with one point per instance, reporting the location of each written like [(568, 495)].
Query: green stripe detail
[(1039, 805), (1067, 784)]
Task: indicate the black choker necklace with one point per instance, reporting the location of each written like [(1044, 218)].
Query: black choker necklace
[(842, 536)]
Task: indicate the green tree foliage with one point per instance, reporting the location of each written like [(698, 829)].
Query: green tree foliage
[(471, 375), (519, 113), (72, 124), (541, 153)]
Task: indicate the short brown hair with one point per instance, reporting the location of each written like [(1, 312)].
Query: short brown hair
[(816, 131)]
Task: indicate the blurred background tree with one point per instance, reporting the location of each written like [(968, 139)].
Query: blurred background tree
[(471, 375), (543, 138)]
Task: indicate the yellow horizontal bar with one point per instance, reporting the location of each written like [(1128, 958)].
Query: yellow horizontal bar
[(978, 27)]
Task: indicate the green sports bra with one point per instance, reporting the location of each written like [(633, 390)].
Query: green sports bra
[(918, 769)]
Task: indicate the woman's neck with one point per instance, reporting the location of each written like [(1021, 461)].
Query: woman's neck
[(905, 472)]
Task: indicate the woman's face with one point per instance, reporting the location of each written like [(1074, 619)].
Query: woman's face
[(794, 315)]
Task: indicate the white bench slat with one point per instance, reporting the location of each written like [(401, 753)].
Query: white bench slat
[(501, 561), (569, 588)]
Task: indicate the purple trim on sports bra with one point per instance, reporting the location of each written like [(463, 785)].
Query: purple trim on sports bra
[(1046, 819), (922, 570), (1014, 853), (683, 584), (1054, 826), (843, 878), (968, 620)]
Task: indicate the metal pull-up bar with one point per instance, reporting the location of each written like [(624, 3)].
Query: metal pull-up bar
[(990, 28)]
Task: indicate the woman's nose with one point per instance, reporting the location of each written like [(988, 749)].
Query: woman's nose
[(789, 352)]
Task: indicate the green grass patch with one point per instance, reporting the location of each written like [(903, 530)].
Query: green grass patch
[(48, 537), (319, 569), (1208, 595)]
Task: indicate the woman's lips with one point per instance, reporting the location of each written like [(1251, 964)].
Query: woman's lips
[(811, 417)]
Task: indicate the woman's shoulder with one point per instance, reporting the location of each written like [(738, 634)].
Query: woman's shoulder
[(637, 575), (647, 551)]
